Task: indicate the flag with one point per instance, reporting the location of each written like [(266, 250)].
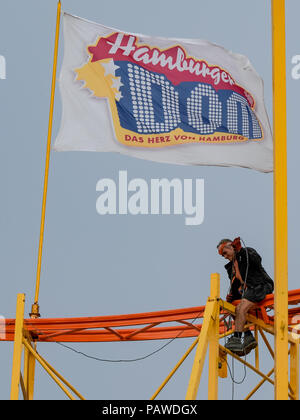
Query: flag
[(180, 101)]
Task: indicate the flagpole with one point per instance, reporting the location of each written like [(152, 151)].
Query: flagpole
[(35, 306), (280, 200)]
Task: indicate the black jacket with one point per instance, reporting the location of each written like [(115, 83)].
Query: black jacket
[(256, 274)]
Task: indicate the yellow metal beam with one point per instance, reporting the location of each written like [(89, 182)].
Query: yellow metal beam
[(175, 369), (247, 364), (266, 377), (222, 360), (213, 338), (47, 369), (35, 307), (222, 364), (280, 200), (74, 390), (259, 385), (294, 370), (266, 343), (29, 371), (24, 392), (211, 310), (18, 347)]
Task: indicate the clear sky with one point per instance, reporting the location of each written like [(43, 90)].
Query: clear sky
[(108, 265)]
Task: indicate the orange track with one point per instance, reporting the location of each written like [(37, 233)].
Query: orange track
[(144, 326)]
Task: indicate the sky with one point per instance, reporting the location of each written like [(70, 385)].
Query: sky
[(121, 264)]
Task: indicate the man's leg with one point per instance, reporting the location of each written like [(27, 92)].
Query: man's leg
[(241, 313), (249, 342), (235, 343)]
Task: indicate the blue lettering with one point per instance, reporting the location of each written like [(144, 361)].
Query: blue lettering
[(151, 104)]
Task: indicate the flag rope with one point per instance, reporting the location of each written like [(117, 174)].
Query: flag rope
[(35, 306)]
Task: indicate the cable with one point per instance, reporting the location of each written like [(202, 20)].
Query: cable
[(118, 360), (112, 360), (244, 285), (246, 275), (231, 371), (126, 360)]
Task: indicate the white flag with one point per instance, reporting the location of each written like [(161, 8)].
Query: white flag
[(167, 100)]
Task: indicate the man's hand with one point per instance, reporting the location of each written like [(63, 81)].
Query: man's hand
[(229, 298)]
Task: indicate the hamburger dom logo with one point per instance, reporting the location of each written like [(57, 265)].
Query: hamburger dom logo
[(161, 98)]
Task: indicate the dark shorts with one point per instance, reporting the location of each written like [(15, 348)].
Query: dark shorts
[(258, 293)]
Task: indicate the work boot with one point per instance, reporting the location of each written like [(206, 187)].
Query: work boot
[(235, 345), (249, 343)]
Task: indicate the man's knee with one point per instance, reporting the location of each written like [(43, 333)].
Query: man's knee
[(244, 307)]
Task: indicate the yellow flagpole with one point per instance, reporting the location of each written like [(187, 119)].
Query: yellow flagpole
[(35, 306), (280, 200)]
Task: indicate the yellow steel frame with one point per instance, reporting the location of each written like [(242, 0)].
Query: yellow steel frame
[(210, 336), (23, 340), (209, 333), (280, 200)]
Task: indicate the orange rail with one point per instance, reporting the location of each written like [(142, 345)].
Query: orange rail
[(144, 326)]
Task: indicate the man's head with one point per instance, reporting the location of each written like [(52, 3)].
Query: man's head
[(226, 249)]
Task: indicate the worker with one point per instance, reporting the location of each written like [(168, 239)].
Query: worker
[(249, 283)]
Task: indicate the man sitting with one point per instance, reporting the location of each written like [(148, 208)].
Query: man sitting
[(248, 282)]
